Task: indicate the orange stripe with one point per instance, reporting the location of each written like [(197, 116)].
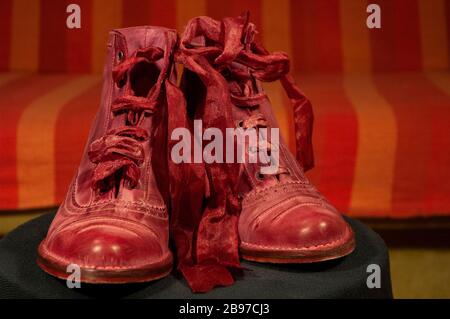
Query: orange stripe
[(25, 35), (35, 143), (276, 25), (276, 34), (441, 79), (335, 137), (375, 158), (106, 15), (6, 78), (355, 38), (376, 152), (187, 9), (71, 131), (433, 34), (16, 95), (280, 106)]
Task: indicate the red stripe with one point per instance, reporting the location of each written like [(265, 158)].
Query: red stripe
[(233, 8), (163, 13), (447, 11), (135, 13), (302, 34), (5, 33), (316, 35), (71, 132), (79, 41), (52, 36), (436, 199), (239, 7), (421, 172), (407, 35), (289, 113), (328, 36), (16, 96), (217, 10), (335, 138), (396, 45), (149, 12), (383, 40)]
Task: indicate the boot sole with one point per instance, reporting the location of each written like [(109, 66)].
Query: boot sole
[(300, 256), (105, 276)]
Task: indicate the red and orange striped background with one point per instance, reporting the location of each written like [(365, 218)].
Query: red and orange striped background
[(381, 96), (320, 35)]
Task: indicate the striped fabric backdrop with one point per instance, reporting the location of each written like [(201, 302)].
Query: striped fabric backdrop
[(381, 96), (320, 35)]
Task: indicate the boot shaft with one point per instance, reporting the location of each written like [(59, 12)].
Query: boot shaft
[(144, 80)]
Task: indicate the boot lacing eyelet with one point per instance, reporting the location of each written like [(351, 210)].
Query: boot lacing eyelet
[(259, 176), (120, 56)]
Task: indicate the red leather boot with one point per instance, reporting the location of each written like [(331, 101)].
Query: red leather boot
[(113, 223), (283, 218)]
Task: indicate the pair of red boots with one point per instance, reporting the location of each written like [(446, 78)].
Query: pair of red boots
[(114, 222)]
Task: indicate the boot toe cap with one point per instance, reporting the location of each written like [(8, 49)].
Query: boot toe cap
[(105, 246), (313, 229), (300, 228)]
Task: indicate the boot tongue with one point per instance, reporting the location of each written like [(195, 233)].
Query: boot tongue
[(211, 241)]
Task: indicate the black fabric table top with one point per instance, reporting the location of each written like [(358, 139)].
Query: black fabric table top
[(20, 277)]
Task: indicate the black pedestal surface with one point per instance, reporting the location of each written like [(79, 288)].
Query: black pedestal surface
[(20, 277)]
